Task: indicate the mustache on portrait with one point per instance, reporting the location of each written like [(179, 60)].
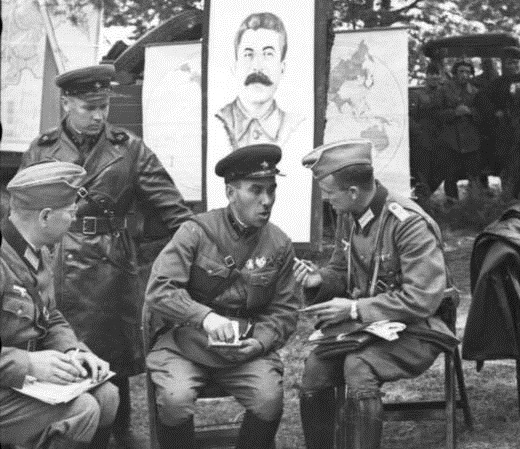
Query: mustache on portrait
[(258, 77)]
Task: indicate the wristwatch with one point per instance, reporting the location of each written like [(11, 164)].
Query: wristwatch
[(354, 311)]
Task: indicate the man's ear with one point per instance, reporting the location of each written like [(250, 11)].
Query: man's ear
[(230, 192), (283, 66), (65, 103), (354, 191), (43, 216)]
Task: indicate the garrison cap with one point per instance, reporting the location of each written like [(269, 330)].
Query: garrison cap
[(250, 162), (87, 83), (331, 157), (51, 184), (511, 52)]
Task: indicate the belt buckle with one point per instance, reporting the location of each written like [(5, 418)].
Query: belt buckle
[(89, 226), (229, 261)]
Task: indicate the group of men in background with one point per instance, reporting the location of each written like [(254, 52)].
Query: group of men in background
[(467, 127)]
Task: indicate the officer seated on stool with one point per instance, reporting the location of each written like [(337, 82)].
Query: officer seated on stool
[(37, 341), (387, 264), (221, 266)]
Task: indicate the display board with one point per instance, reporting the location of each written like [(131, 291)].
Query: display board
[(368, 98), (172, 112), (260, 88)]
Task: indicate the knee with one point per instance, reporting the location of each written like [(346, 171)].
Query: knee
[(175, 406), (107, 397), (83, 421), (268, 402), (360, 379)]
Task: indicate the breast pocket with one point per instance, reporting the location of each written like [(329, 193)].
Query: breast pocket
[(262, 285), (208, 279), (17, 315)]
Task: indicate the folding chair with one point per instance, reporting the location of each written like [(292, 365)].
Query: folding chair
[(207, 436), (424, 410)]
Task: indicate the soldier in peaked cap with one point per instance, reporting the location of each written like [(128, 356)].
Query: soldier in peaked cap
[(37, 341), (102, 299), (224, 266), (387, 265)]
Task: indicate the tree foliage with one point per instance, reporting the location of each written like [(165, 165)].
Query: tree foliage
[(426, 19)]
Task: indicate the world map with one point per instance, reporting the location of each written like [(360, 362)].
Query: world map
[(367, 96)]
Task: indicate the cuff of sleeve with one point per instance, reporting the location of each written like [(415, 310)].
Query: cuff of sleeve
[(267, 341)]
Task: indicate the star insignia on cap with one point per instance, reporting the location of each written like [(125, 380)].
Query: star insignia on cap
[(264, 165), (97, 85)]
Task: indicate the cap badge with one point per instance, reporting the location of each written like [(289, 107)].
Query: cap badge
[(97, 85), (264, 165), (250, 264)]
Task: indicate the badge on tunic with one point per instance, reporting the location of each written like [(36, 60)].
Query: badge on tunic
[(260, 262), (250, 265), (399, 211), (21, 291)]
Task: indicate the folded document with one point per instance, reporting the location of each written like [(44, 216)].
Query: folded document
[(52, 393)]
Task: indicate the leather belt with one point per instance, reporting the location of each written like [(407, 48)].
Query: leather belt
[(88, 225)]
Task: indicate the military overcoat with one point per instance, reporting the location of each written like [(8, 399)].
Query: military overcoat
[(97, 284)]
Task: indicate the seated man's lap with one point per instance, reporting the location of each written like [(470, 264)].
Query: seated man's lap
[(369, 368), (25, 420), (256, 384)]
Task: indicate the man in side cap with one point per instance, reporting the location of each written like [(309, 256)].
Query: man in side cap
[(387, 264), (499, 105), (225, 266), (97, 284), (37, 341)]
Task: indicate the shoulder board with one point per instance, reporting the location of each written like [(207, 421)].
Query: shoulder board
[(49, 137), (399, 211), (118, 136)]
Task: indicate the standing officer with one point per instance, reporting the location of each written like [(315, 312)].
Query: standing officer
[(225, 265), (97, 283), (387, 264), (37, 341)]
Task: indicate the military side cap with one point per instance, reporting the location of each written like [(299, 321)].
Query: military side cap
[(511, 52), (331, 157), (87, 82), (51, 184), (250, 162)]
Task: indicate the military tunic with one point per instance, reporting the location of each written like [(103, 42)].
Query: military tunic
[(184, 287), (396, 238), (27, 326), (97, 284)]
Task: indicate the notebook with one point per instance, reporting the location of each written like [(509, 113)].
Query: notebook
[(52, 393)]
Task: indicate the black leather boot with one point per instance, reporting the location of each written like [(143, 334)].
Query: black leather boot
[(255, 433), (317, 414), (101, 438), (177, 437), (364, 422)]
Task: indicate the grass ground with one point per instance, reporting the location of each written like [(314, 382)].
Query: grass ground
[(492, 392)]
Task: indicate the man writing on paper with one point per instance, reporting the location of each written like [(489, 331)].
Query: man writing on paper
[(225, 265), (37, 342), (387, 264)]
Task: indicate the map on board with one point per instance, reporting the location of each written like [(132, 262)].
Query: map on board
[(367, 99), (23, 59), (172, 112), (23, 43)]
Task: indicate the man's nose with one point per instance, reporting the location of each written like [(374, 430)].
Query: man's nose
[(97, 114)]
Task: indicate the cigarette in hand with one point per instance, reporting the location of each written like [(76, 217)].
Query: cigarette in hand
[(306, 264)]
